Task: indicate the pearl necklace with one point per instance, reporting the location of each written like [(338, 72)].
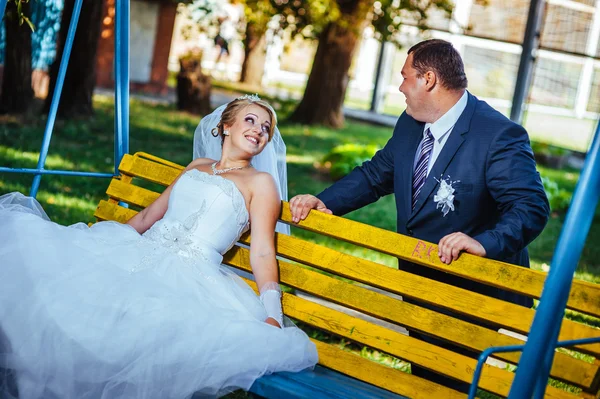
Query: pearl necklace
[(216, 171)]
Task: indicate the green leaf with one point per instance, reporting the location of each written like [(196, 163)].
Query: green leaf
[(31, 26), (21, 16)]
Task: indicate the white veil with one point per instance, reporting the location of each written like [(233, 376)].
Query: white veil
[(270, 160)]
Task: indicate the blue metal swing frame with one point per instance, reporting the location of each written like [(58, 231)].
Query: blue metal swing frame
[(121, 97), (534, 367)]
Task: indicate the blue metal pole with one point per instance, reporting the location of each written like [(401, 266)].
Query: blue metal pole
[(546, 324), (2, 8), (481, 361), (60, 80), (546, 364), (54, 172), (516, 348), (121, 81)]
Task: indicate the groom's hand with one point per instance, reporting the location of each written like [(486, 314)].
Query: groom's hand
[(453, 244), (301, 205)]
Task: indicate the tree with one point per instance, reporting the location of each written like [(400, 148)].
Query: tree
[(296, 17), (17, 94), (80, 79), (205, 15), (258, 14), (255, 51), (328, 79)]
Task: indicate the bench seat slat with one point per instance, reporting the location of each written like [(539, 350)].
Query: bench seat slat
[(395, 380), (383, 307), (584, 296), (318, 383)]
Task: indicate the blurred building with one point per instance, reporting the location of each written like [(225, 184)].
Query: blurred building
[(151, 29)]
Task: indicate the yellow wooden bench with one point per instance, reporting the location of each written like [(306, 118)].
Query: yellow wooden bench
[(371, 289)]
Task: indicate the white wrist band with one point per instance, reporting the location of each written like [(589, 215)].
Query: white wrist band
[(271, 300), (271, 285)]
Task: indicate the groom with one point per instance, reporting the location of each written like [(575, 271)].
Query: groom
[(448, 140)]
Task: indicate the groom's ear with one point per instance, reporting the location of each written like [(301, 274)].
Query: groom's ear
[(430, 80)]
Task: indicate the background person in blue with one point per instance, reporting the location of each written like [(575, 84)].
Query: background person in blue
[(463, 175)]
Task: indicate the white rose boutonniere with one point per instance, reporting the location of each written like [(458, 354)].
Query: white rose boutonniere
[(444, 198)]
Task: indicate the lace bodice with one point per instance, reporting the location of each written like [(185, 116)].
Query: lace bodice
[(206, 216)]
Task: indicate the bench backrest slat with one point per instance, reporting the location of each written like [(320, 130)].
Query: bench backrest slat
[(149, 170), (133, 195), (111, 211), (584, 297)]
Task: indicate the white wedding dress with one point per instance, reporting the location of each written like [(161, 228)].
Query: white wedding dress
[(104, 312)]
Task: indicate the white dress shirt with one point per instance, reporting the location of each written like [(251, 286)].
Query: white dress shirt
[(441, 130)]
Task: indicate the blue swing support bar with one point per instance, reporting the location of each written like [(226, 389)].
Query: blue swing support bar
[(534, 367), (516, 348), (121, 97)]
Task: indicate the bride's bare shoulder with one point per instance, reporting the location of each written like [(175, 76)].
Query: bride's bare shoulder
[(263, 182)]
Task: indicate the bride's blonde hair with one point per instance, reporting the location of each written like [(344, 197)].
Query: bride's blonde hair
[(239, 104)]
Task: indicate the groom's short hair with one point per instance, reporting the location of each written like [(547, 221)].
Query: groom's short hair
[(442, 58)]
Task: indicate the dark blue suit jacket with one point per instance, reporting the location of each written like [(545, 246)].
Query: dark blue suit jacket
[(499, 199)]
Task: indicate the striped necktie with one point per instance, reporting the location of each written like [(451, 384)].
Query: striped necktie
[(420, 173)]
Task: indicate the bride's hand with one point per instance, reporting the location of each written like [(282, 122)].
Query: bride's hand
[(272, 322)]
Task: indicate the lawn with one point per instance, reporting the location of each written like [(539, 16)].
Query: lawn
[(87, 144)]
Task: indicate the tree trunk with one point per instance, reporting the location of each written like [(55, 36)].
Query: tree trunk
[(80, 80), (328, 80), (193, 87), (255, 51), (17, 94)]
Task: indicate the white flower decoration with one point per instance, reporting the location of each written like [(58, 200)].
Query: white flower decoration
[(444, 198)]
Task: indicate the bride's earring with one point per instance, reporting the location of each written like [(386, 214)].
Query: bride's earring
[(225, 132)]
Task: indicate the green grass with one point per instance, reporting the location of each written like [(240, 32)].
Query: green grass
[(87, 144)]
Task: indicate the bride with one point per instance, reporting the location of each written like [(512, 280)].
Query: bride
[(145, 309)]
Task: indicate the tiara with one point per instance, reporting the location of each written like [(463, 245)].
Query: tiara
[(249, 97)]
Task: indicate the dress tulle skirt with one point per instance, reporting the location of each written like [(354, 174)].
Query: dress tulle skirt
[(102, 312)]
